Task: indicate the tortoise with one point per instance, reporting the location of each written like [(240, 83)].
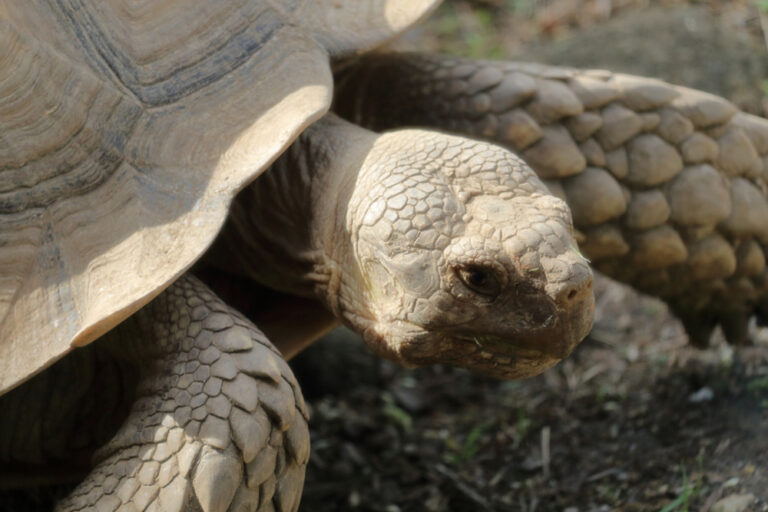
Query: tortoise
[(128, 128)]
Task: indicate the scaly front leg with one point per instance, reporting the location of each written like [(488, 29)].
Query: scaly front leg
[(218, 424), (667, 185)]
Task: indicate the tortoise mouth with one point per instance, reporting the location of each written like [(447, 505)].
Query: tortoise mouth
[(501, 347), (508, 353), (508, 358), (552, 340)]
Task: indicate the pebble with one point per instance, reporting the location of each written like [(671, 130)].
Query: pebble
[(733, 503), (705, 394)]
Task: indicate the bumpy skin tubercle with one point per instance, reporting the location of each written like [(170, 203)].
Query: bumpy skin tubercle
[(436, 248), (218, 423), (668, 186)]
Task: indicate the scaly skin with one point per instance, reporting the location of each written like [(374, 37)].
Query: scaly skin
[(401, 223), (212, 417), (63, 414), (405, 237), (218, 422), (667, 185)]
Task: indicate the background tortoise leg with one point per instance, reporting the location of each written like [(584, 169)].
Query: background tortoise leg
[(218, 424), (668, 186)]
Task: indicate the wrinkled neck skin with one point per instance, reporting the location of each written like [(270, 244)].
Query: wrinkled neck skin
[(287, 229), (436, 249)]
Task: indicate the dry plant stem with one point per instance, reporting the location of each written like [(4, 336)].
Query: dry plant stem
[(466, 490), (545, 450)]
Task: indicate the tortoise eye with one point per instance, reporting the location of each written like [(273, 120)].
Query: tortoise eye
[(480, 280)]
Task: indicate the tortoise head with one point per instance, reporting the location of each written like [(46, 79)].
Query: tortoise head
[(460, 255)]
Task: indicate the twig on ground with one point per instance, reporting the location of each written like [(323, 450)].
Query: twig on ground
[(545, 454), (602, 474), (465, 489), (712, 499)]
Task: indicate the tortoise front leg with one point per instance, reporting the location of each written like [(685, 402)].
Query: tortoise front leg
[(275, 313), (218, 424), (667, 185)]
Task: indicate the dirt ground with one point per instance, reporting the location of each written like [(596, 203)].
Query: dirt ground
[(634, 420)]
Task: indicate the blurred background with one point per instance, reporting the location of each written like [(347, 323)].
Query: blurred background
[(634, 420)]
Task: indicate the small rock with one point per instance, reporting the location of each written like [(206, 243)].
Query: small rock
[(733, 503), (531, 463), (705, 394), (412, 399)]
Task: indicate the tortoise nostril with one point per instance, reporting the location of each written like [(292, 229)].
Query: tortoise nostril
[(571, 283), (577, 289)]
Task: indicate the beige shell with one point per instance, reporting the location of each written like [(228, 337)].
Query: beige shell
[(127, 126)]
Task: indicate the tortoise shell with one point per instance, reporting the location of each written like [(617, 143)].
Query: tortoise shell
[(126, 128)]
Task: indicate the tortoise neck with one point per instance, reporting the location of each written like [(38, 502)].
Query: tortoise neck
[(287, 229)]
